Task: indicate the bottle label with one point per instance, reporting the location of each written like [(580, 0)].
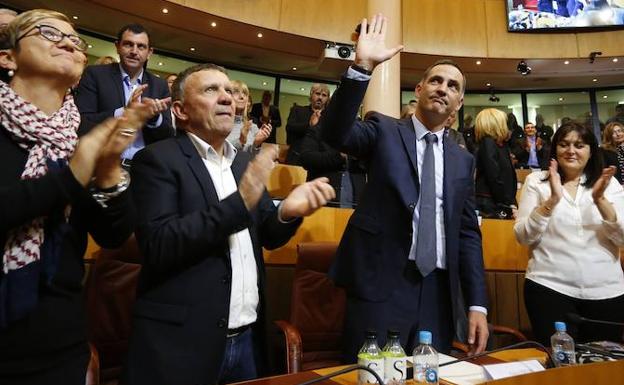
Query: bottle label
[(431, 376), (376, 364), (425, 374), (395, 369), (564, 358)]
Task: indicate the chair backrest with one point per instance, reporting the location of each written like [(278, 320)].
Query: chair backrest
[(284, 178), (317, 306), (111, 289)]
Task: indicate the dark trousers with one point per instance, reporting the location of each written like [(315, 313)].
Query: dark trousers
[(238, 363), (545, 306), (417, 304)]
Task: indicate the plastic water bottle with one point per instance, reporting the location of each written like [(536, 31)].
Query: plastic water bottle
[(425, 360), (395, 360), (562, 346), (370, 356)]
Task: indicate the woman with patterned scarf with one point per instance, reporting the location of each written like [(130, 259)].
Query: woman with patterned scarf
[(53, 189)]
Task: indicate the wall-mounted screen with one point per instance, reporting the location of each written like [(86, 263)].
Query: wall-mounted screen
[(564, 15)]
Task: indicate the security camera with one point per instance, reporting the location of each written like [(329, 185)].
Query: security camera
[(523, 68), (338, 51), (592, 56), (494, 98), (344, 51)]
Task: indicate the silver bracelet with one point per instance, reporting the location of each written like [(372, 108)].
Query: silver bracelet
[(103, 196)]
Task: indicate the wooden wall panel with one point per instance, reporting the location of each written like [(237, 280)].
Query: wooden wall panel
[(446, 27), (322, 19), (502, 44), (507, 300), (264, 13), (609, 43)]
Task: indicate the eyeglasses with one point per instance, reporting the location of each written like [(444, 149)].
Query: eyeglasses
[(54, 35)]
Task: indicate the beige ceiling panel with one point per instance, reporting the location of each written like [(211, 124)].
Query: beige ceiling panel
[(264, 13), (445, 27)]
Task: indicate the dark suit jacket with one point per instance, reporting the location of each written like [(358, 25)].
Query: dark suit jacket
[(374, 249), (496, 182), (297, 127), (276, 119), (522, 155), (182, 307), (100, 92), (54, 332)]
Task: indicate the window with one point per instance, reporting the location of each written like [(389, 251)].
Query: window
[(508, 103), (554, 106)]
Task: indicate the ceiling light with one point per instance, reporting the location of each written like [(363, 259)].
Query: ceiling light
[(264, 83), (160, 63), (302, 89), (561, 99), (165, 10), (488, 84), (566, 62), (192, 49), (75, 17), (213, 24), (594, 80), (260, 34), (523, 68), (89, 46), (478, 62), (615, 60), (294, 68), (604, 96)]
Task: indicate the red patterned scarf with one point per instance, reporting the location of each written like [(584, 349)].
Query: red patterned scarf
[(44, 137)]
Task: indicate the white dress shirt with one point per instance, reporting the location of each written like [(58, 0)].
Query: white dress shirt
[(574, 251), (244, 296)]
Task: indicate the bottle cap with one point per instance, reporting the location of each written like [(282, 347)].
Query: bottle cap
[(560, 326), (424, 337), (393, 333), (370, 333)]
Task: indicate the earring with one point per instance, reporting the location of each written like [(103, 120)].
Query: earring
[(10, 73)]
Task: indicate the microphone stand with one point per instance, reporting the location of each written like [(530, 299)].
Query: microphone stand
[(518, 344), (343, 371)]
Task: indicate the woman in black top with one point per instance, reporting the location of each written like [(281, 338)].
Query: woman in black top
[(53, 190), (496, 183), (613, 148)]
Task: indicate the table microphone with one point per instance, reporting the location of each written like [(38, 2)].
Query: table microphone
[(343, 371), (577, 319), (512, 346)]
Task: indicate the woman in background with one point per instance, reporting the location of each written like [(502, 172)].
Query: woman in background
[(54, 189), (613, 148), (245, 134), (572, 219), (496, 182)]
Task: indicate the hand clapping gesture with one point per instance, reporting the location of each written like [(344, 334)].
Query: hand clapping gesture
[(371, 47)]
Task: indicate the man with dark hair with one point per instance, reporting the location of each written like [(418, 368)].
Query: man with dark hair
[(410, 258), (266, 113), (106, 90), (204, 216)]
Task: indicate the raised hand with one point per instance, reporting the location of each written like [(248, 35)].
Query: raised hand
[(256, 176), (556, 188), (136, 94), (307, 198), (262, 135), (371, 47), (601, 184), (155, 106), (315, 117)]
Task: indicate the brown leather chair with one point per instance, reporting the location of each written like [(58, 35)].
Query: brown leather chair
[(93, 370), (314, 332), (111, 288)]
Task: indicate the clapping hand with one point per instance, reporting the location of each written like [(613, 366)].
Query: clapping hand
[(371, 47), (601, 184), (556, 188), (263, 134), (307, 198), (256, 176), (315, 117)]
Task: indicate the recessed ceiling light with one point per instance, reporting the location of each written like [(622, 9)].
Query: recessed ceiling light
[(260, 34), (192, 48), (264, 83), (566, 62), (302, 89), (615, 60), (594, 80), (75, 17), (165, 10), (604, 96), (213, 24), (488, 84), (294, 68), (478, 62), (561, 99), (160, 63), (89, 46)]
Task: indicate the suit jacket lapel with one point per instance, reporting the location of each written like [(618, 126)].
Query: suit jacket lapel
[(408, 136), (198, 168), (117, 82)]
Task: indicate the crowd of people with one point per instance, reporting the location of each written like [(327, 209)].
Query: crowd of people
[(111, 150)]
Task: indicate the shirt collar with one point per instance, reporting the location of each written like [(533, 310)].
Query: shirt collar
[(125, 75), (207, 152), (421, 130)]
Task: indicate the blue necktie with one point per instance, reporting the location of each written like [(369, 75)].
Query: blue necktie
[(426, 254)]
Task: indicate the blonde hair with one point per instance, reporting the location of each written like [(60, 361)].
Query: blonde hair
[(105, 60), (25, 21), (493, 123), (607, 135), (407, 111), (243, 87)]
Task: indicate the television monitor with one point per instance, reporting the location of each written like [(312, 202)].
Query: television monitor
[(564, 15)]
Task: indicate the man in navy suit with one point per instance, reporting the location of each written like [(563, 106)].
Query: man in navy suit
[(204, 216), (391, 282), (105, 90)]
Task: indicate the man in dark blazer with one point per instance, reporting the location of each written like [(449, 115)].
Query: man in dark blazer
[(302, 118), (204, 216), (390, 282), (105, 90), (265, 113)]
